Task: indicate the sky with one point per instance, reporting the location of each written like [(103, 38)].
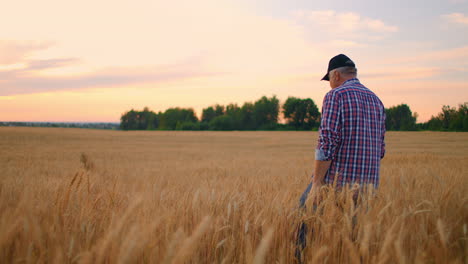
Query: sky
[(91, 61)]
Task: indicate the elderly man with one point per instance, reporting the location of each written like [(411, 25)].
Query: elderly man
[(351, 135)]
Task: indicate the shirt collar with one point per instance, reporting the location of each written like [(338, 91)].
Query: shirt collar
[(351, 81)]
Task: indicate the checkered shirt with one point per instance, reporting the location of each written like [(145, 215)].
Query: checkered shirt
[(351, 135)]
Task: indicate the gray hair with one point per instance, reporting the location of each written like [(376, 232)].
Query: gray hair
[(346, 70)]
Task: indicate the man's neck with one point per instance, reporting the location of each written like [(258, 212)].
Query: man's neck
[(344, 81)]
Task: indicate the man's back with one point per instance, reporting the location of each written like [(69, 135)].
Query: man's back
[(352, 134), (351, 137)]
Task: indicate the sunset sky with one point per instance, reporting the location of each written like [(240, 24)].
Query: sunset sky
[(90, 61)]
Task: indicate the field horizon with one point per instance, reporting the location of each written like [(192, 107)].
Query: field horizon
[(99, 196)]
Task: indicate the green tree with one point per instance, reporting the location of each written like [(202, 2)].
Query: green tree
[(235, 113), (247, 118), (173, 115), (265, 113), (447, 116), (129, 121), (208, 114), (147, 120), (139, 120), (400, 117), (219, 110), (449, 119), (223, 123), (302, 114), (188, 125), (212, 112), (460, 122)]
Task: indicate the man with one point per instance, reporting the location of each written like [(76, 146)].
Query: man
[(352, 129), (351, 137)]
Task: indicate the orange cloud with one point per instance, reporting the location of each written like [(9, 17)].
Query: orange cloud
[(399, 74), (460, 55), (335, 26), (28, 80), (457, 18), (345, 21), (12, 52)]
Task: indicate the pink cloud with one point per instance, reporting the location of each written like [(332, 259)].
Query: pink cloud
[(434, 56), (16, 51), (456, 18), (342, 29), (403, 73), (349, 22), (28, 80)]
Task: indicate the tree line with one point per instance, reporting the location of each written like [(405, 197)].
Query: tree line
[(400, 118), (264, 114)]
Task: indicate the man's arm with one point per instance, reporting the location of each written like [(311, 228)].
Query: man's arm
[(320, 169), (328, 142), (329, 137)]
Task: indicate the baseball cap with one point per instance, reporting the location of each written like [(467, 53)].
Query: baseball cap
[(338, 61)]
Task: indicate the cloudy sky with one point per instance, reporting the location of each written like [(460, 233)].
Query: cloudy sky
[(93, 60)]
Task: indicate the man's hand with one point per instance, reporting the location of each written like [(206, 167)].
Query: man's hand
[(320, 169), (314, 194)]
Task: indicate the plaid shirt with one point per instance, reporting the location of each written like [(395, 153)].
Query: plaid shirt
[(351, 135)]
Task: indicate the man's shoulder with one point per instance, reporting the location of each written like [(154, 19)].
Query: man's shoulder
[(349, 88), (332, 94)]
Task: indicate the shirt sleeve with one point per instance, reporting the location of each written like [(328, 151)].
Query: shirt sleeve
[(330, 128)]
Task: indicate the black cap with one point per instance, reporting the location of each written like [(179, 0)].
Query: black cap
[(337, 62)]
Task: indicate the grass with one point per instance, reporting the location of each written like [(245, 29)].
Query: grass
[(89, 196)]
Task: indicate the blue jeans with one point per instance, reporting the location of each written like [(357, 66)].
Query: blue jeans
[(304, 195), (301, 239)]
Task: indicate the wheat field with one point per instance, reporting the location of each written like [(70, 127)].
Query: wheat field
[(90, 196)]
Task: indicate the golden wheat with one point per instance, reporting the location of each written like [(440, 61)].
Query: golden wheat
[(89, 196)]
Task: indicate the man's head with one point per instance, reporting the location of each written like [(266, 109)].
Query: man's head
[(340, 69)]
